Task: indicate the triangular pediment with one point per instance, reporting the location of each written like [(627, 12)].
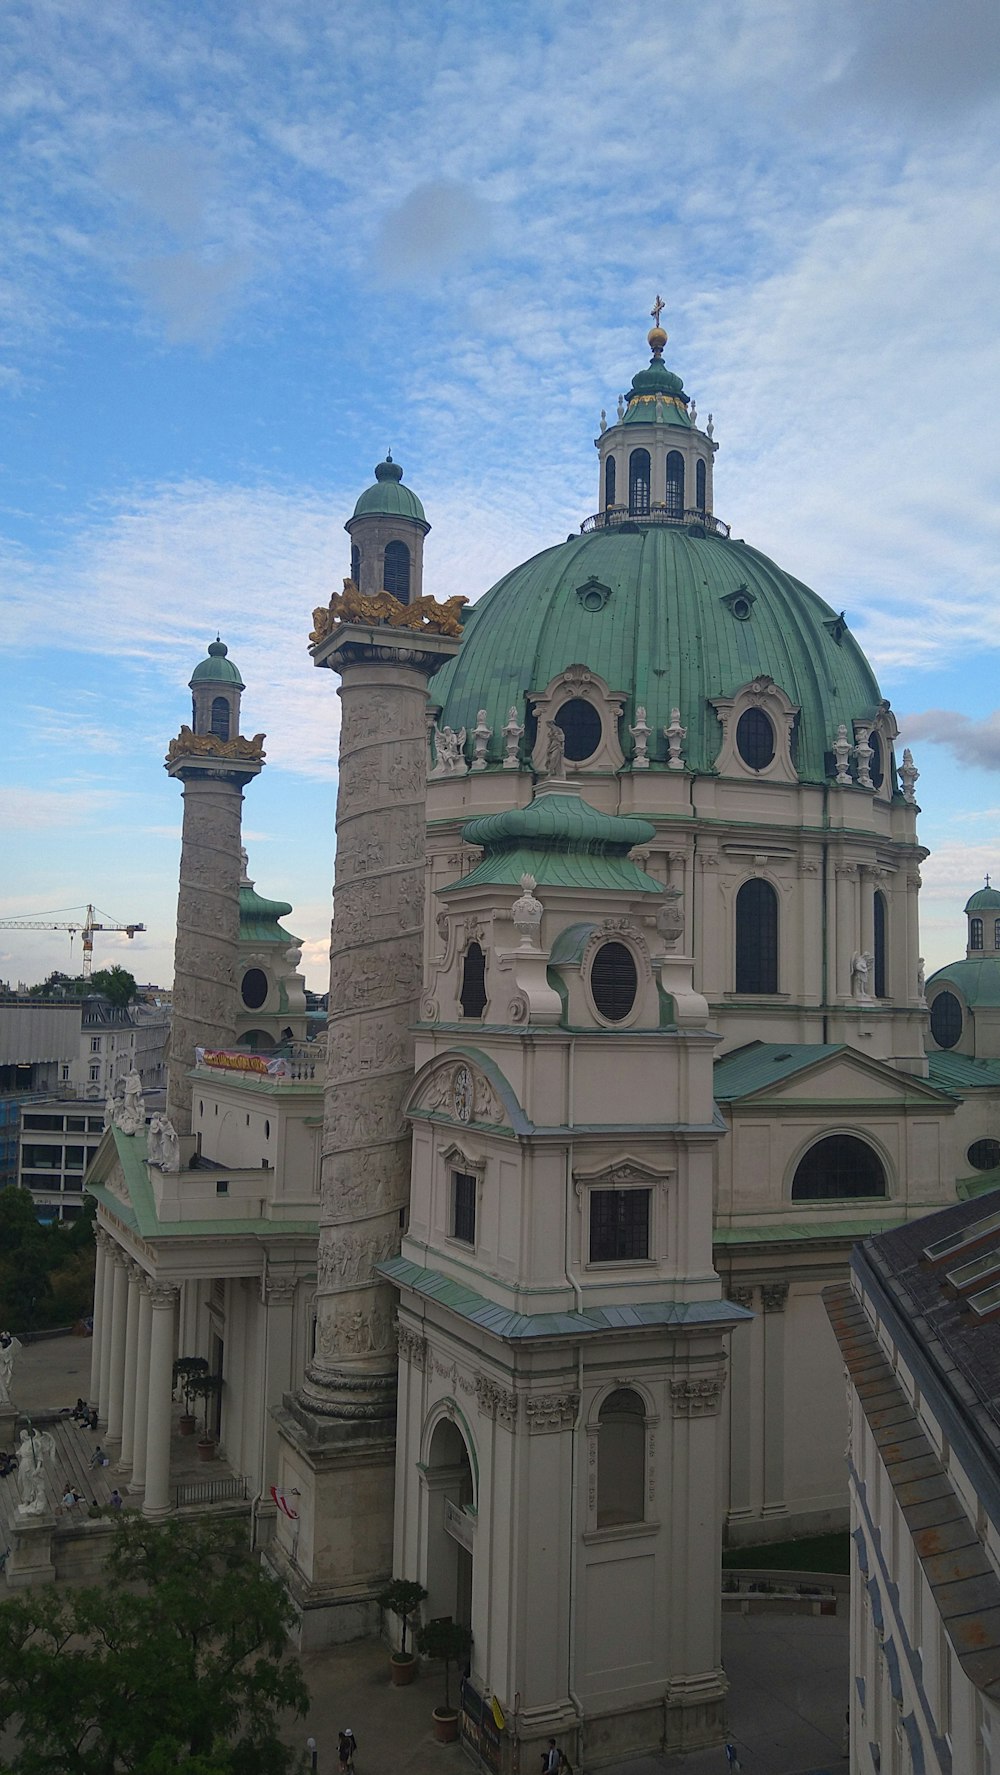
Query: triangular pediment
[(769, 1073)]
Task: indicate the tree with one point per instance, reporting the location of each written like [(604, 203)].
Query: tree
[(115, 983), (28, 1253), (447, 1640), (401, 1596), (178, 1660)]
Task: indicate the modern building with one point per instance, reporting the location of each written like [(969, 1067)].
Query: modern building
[(40, 1052), (917, 1329)]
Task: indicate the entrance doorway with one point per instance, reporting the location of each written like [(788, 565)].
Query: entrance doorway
[(449, 1493)]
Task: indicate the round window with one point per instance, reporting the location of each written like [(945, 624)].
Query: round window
[(740, 608), (755, 739), (614, 981), (254, 988), (984, 1155), (946, 1020), (581, 726)]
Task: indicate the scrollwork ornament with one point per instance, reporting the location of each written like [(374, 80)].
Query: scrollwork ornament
[(551, 1411)]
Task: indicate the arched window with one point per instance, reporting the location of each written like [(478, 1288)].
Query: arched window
[(755, 739), (876, 769), (996, 933), (609, 481), (700, 478), (756, 937), (879, 922), (638, 483), (946, 1020), (355, 563), (220, 717), (675, 484), (621, 1460), (396, 571), (836, 1168), (473, 994), (975, 933)]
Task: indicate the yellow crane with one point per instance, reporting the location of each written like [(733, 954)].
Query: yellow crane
[(86, 926)]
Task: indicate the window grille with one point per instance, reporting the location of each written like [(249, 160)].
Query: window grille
[(755, 739), (839, 1167), (756, 937), (220, 718), (463, 1206), (614, 981), (675, 484), (638, 483), (975, 933), (619, 1225)]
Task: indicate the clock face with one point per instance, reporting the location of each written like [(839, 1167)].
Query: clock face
[(462, 1094)]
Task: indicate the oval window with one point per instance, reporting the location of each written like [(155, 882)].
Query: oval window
[(984, 1155), (581, 726), (875, 770), (254, 988), (946, 1020), (614, 981), (755, 739)]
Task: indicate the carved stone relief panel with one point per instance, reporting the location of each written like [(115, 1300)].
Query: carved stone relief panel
[(696, 1397), (551, 1411)]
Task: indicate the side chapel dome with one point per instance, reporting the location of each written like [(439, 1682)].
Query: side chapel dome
[(658, 600)]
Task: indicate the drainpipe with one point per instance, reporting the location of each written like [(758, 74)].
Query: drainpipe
[(575, 1448), (826, 909)]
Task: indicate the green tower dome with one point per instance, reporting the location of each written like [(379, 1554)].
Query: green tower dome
[(217, 669), (986, 899), (657, 393), (389, 498), (671, 618)]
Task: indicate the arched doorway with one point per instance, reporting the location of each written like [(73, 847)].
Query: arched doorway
[(450, 1537)]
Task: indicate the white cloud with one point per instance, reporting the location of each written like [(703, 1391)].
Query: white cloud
[(37, 810)]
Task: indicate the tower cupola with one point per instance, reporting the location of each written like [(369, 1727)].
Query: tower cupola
[(983, 914), (387, 533), (216, 687), (656, 462)]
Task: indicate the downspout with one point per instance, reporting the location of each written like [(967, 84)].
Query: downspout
[(577, 1426), (825, 907)]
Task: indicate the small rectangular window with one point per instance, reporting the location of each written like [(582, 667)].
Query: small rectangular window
[(619, 1225), (95, 1073), (95, 1044), (463, 1206)]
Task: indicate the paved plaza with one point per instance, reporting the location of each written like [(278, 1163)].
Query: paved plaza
[(788, 1674)]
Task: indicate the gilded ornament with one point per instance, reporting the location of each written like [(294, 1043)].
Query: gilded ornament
[(189, 744), (424, 614)]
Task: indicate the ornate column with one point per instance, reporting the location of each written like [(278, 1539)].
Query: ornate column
[(106, 1322), (116, 1372), (347, 1405), (163, 1298), (214, 773), (101, 1241), (140, 1425), (131, 1357)]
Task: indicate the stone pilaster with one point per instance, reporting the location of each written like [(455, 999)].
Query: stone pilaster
[(208, 905), (338, 1433)]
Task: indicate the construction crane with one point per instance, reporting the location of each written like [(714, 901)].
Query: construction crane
[(86, 927)]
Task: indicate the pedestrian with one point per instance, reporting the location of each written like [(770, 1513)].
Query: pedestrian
[(550, 1759), (732, 1759), (116, 1500), (347, 1746)]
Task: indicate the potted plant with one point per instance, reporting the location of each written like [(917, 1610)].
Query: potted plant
[(206, 1387), (449, 1641), (401, 1597), (185, 1370)]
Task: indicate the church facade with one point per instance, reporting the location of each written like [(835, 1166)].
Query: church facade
[(627, 1046)]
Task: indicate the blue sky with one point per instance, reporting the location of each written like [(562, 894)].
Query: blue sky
[(247, 248)]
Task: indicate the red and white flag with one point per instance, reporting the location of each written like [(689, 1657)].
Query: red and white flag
[(281, 1499)]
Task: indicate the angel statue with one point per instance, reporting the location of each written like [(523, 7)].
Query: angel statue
[(36, 1450)]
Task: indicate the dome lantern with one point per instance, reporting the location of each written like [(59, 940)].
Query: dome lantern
[(216, 687), (387, 533)]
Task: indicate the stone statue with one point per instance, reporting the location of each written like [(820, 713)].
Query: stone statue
[(921, 977), (860, 963), (864, 753), (694, 412), (35, 1449), (842, 755), (9, 1347), (621, 406), (710, 428), (154, 1141), (448, 746), (675, 735), (131, 1114), (170, 1146), (109, 1110), (604, 420), (640, 733), (526, 913), (908, 774), (555, 751), (481, 736), (511, 739), (658, 407)]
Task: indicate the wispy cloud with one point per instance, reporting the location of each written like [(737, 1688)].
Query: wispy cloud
[(973, 742)]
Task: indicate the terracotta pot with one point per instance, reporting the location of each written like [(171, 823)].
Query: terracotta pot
[(445, 1724), (402, 1668), (206, 1451), (187, 1425)]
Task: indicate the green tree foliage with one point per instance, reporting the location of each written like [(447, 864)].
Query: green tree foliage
[(46, 1272), (115, 983), (448, 1641), (177, 1661)]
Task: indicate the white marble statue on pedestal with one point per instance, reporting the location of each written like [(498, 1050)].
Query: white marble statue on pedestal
[(9, 1348), (36, 1449), (130, 1115)]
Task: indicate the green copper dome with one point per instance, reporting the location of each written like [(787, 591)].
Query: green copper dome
[(216, 669), (563, 842), (259, 919), (657, 394), (987, 899), (389, 498), (680, 619), (977, 979)]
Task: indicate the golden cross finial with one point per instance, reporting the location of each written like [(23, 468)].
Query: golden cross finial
[(657, 310)]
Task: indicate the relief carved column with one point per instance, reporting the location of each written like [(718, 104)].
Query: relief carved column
[(376, 973), (208, 907)]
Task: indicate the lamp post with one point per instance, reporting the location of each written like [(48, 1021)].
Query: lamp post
[(313, 1754)]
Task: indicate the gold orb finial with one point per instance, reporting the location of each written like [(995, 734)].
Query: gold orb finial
[(657, 335)]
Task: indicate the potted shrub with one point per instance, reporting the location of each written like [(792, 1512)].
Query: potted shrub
[(206, 1387), (185, 1370), (448, 1641), (401, 1597)]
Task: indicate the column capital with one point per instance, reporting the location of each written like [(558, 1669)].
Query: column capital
[(278, 1290), (774, 1296), (162, 1294)]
